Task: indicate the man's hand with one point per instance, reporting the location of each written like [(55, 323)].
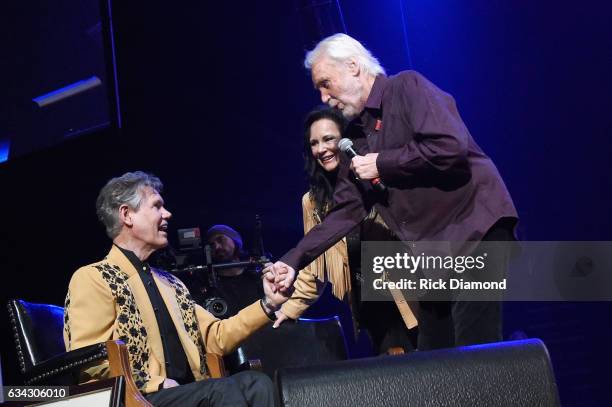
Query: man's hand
[(168, 383), (274, 298), (365, 166), (268, 272), (281, 274)]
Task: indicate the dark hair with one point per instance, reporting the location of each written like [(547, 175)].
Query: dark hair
[(322, 183)]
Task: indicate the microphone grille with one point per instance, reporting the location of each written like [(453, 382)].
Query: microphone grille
[(344, 144)]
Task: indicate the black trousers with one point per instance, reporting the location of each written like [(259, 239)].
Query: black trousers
[(253, 389), (459, 323), (385, 325)]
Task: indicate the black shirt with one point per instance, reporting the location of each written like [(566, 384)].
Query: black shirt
[(177, 366)]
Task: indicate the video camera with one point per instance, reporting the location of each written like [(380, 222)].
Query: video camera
[(192, 262)]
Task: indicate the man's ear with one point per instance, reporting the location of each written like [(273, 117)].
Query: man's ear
[(125, 215), (353, 66)]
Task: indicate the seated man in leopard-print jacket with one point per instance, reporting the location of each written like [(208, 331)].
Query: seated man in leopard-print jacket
[(167, 334)]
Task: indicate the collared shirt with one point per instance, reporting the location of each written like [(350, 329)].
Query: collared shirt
[(177, 366), (441, 185)]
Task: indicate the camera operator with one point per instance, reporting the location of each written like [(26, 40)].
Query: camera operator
[(237, 286)]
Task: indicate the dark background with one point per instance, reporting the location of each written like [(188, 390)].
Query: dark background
[(212, 98)]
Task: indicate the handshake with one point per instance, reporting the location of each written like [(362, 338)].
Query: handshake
[(278, 286)]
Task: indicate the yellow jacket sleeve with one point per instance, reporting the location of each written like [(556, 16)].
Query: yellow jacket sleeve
[(222, 336)]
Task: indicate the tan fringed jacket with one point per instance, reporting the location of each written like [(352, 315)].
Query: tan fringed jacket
[(333, 267), (311, 280), (107, 300)]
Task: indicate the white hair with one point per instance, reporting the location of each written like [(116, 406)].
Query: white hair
[(341, 47)]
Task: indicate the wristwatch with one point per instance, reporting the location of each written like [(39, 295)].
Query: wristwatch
[(264, 306)]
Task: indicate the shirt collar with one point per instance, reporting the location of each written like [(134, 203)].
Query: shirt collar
[(374, 100), (138, 265)]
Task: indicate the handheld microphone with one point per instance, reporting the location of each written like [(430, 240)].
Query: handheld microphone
[(346, 146)]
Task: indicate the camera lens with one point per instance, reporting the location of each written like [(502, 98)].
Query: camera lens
[(216, 306)]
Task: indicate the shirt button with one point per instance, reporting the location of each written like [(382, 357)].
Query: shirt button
[(155, 309)]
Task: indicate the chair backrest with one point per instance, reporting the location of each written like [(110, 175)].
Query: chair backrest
[(38, 331), (301, 343), (517, 373)]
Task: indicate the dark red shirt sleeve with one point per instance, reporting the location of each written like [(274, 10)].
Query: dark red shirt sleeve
[(348, 211), (440, 138)]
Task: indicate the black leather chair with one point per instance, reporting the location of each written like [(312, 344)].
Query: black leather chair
[(517, 373), (38, 333), (295, 343), (43, 360)]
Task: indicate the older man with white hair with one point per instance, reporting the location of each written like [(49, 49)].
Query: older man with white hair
[(440, 185)]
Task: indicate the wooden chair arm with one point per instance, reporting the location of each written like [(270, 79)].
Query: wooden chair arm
[(119, 365), (215, 365)]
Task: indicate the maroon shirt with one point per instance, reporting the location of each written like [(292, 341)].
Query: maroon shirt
[(441, 185)]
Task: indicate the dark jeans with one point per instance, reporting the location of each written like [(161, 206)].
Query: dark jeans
[(459, 323), (252, 389)]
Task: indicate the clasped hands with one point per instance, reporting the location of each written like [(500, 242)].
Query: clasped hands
[(278, 286)]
